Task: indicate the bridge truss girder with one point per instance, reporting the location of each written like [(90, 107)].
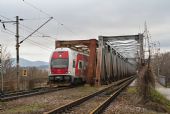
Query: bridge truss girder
[(111, 65)]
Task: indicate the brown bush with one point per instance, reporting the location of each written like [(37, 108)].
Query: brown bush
[(145, 82)]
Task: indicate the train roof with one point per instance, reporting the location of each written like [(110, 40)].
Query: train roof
[(71, 50)]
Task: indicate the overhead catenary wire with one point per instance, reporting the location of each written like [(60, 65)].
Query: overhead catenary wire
[(8, 40), (40, 34), (33, 19), (5, 17), (30, 41), (28, 28), (38, 9), (40, 45), (33, 6), (36, 30), (47, 14)]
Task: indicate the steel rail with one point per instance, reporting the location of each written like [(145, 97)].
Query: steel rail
[(72, 104), (106, 103), (5, 94), (14, 96)]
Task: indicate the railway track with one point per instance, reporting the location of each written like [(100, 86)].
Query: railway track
[(38, 91), (94, 103)]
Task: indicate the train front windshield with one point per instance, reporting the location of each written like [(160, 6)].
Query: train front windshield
[(59, 63)]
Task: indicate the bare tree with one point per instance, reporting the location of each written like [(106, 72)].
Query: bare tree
[(36, 77), (8, 70), (165, 64), (162, 63)]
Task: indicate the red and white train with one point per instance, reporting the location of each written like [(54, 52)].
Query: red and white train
[(68, 66)]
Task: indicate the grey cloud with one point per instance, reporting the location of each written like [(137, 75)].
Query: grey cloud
[(85, 19)]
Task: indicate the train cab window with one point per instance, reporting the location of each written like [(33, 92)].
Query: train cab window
[(80, 65), (74, 63), (59, 63)]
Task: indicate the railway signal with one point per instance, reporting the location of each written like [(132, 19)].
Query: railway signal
[(24, 72)]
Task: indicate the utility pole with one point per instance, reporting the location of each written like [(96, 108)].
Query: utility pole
[(1, 68), (17, 44), (17, 51)]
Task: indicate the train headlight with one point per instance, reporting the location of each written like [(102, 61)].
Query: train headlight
[(69, 72)]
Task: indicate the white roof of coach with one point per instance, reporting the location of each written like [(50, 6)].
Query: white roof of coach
[(70, 50)]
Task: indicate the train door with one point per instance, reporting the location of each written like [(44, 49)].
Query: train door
[(74, 67), (80, 67), (73, 63)]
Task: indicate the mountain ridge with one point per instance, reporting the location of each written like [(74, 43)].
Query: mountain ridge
[(27, 63)]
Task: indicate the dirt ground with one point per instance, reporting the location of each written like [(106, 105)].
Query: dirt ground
[(41, 103)]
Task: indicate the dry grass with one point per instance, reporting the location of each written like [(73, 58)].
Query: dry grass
[(148, 96), (157, 102), (127, 103), (160, 101)]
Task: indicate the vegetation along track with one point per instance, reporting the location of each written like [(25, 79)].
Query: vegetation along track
[(89, 103), (38, 91)]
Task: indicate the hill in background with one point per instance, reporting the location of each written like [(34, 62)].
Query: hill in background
[(27, 63)]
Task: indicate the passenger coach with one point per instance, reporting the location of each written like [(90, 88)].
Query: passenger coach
[(68, 66)]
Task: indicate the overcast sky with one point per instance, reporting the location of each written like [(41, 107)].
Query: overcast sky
[(80, 19)]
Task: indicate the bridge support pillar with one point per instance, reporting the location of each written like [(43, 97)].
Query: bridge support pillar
[(92, 62)]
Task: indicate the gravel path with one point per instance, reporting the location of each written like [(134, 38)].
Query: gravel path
[(163, 90), (40, 103)]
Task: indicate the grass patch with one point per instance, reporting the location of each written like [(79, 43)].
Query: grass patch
[(168, 84), (159, 98), (132, 90), (87, 88), (2, 103), (25, 109), (157, 101)]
